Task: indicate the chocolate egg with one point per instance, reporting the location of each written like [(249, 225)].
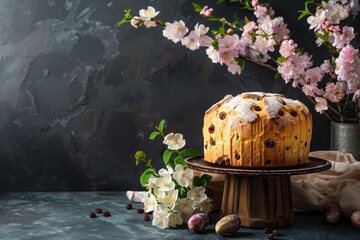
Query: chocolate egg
[(228, 225), (198, 222)]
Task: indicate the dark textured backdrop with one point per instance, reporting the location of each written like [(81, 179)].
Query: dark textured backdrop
[(78, 96)]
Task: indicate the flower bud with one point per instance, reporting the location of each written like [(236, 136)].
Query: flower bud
[(135, 22)]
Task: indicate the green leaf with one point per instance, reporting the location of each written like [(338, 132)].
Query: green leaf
[(179, 160), (197, 7), (333, 62), (277, 75), (303, 14), (323, 37), (241, 63), (145, 176), (201, 181), (154, 134), (127, 17), (161, 125), (139, 156), (182, 192), (196, 181), (189, 152), (167, 155), (205, 179), (209, 192), (246, 20), (219, 1)]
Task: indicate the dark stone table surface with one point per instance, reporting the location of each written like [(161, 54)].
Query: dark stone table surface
[(64, 215)]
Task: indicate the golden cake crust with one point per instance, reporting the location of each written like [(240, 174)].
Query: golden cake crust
[(256, 129)]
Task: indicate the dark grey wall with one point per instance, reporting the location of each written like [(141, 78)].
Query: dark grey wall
[(78, 96)]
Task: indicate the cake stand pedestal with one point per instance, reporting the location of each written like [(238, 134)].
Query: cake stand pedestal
[(261, 197)]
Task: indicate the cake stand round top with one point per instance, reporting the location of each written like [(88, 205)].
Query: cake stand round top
[(314, 165)]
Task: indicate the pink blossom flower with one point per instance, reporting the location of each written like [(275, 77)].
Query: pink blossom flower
[(303, 61), (206, 11), (313, 75), (149, 23), (234, 68), (228, 56), (254, 3), (228, 42), (312, 90), (321, 105), (317, 20), (341, 39), (264, 45), (348, 68), (279, 28), (327, 67), (308, 90), (286, 70), (287, 48), (175, 31), (135, 22), (336, 11), (229, 31), (334, 92), (201, 30), (192, 41), (213, 54), (265, 28), (197, 38), (261, 12), (249, 27)]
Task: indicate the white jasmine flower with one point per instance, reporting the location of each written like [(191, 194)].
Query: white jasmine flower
[(197, 194), (150, 203), (174, 141), (316, 21), (175, 219), (170, 198), (206, 206), (186, 207), (148, 14), (165, 183), (182, 176), (158, 194), (175, 31), (164, 171), (161, 217)]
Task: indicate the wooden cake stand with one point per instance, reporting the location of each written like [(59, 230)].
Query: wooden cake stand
[(261, 197)]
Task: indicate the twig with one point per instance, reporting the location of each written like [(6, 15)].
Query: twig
[(341, 115), (357, 107), (263, 65)]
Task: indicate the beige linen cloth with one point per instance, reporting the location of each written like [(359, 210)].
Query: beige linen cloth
[(340, 184)]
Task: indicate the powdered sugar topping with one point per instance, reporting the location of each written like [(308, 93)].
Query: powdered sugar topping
[(244, 110), (272, 105)]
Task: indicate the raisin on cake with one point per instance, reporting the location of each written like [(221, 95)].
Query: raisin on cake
[(257, 129)]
